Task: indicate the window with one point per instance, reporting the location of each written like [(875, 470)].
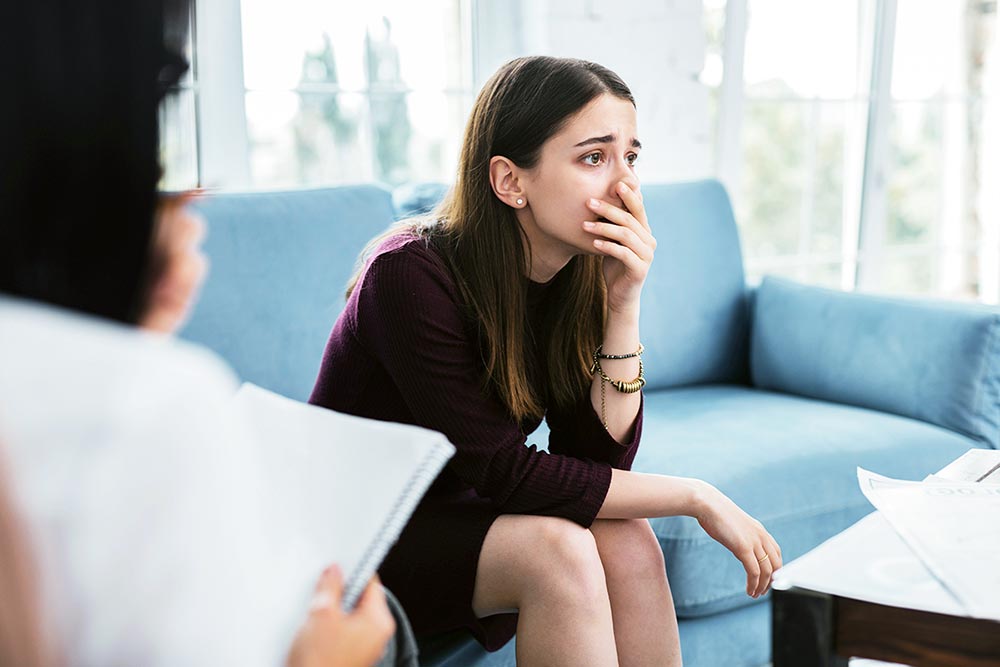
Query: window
[(852, 173), (936, 149), (803, 134), (857, 138), (336, 92), (312, 93)]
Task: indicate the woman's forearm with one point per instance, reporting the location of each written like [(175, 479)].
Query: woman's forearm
[(621, 336), (636, 495)]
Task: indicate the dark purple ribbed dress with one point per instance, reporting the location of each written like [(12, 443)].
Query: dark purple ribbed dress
[(402, 351)]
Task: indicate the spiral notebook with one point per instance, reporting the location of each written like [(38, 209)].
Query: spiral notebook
[(338, 488)]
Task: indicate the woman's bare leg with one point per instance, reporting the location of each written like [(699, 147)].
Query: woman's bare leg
[(642, 608), (550, 570)]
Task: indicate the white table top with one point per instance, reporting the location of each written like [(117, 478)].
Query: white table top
[(870, 561)]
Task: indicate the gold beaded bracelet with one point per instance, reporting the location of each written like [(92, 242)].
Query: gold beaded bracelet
[(624, 386)]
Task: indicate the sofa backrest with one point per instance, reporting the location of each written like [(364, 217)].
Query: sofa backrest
[(695, 314), (279, 263), (936, 361)]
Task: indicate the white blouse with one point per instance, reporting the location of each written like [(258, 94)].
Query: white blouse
[(142, 512)]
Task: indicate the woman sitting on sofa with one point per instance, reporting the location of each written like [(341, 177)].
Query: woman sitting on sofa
[(517, 299)]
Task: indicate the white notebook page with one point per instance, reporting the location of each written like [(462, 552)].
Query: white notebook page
[(338, 488)]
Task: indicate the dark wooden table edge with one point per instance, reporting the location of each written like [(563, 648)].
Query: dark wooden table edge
[(812, 629)]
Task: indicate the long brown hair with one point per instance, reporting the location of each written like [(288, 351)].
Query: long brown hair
[(526, 102)]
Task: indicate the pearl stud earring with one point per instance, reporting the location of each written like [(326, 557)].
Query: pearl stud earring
[(519, 201)]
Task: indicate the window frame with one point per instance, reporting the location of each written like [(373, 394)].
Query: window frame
[(865, 253)]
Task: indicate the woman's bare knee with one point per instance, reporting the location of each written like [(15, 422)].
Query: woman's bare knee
[(545, 557), (567, 572), (628, 547)]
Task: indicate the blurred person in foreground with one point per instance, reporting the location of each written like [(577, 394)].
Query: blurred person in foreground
[(128, 515)]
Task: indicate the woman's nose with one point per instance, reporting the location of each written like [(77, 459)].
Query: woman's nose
[(625, 175), (631, 180)]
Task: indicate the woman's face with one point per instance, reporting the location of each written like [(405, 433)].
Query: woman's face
[(178, 265), (594, 151)]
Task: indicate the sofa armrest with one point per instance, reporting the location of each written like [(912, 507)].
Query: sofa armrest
[(935, 361)]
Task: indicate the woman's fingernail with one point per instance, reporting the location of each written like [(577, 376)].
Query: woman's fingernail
[(589, 225), (320, 601), (593, 203)]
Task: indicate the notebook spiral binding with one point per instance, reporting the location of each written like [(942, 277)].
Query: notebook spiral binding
[(400, 513)]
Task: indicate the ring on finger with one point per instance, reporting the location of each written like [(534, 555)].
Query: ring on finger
[(763, 558)]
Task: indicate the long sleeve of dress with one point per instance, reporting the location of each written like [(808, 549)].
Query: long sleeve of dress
[(579, 432), (408, 317)]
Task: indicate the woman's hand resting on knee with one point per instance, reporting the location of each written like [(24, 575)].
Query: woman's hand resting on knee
[(739, 532), (331, 637), (635, 495)]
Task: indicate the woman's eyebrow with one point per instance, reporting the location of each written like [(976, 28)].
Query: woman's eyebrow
[(606, 139)]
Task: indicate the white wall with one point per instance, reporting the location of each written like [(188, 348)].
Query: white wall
[(656, 46)]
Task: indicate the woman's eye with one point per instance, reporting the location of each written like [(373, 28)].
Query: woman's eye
[(631, 158), (593, 158)]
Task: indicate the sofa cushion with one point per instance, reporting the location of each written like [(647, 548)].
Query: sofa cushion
[(934, 361), (789, 462), (279, 265), (694, 320)]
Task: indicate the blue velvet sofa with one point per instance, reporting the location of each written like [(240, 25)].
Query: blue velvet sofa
[(774, 393)]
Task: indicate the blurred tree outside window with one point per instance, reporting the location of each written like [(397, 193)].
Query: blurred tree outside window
[(940, 84), (337, 92), (808, 69), (805, 92)]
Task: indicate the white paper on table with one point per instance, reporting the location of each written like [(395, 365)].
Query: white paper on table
[(869, 562), (953, 527), (976, 465)]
